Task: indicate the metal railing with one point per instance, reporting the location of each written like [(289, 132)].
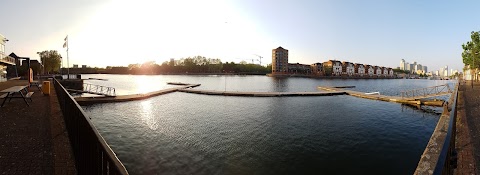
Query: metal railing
[(447, 160), (427, 92), (440, 156), (92, 154), (98, 89), (71, 76), (7, 59)]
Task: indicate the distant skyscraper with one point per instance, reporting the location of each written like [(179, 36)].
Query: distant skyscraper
[(403, 65), (418, 67), (279, 60), (445, 73), (425, 68)]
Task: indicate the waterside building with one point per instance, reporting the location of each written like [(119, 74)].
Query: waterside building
[(330, 68)]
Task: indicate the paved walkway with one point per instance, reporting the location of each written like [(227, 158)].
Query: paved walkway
[(468, 129), (33, 139)]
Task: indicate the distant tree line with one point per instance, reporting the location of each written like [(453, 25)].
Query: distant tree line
[(190, 65)]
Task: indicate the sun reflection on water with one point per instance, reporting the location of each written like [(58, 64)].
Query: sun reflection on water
[(147, 114)]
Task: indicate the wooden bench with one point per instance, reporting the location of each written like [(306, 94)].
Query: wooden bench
[(37, 84), (3, 95), (29, 95)]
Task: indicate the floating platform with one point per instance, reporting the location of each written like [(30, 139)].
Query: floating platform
[(344, 87), (122, 98), (261, 94), (396, 99), (178, 83)]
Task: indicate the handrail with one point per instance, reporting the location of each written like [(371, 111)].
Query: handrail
[(92, 154), (7, 59), (421, 92), (439, 156), (447, 160), (107, 91)]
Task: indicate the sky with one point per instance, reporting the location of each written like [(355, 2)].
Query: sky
[(120, 32)]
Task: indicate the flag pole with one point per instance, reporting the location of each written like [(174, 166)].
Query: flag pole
[(68, 63)]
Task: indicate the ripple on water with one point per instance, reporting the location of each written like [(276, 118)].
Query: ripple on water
[(181, 133)]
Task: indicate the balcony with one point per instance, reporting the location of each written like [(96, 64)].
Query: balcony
[(6, 60)]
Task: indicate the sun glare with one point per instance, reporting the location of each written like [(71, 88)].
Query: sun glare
[(124, 33)]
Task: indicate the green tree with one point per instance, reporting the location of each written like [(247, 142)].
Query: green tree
[(50, 60), (471, 51)]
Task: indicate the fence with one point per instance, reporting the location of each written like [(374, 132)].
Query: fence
[(440, 156), (427, 92), (92, 153), (7, 59), (98, 89), (71, 76)]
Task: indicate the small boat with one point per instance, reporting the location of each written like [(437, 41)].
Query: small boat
[(372, 93)]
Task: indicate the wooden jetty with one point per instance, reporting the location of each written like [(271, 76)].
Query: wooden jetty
[(260, 94), (122, 98), (396, 99)]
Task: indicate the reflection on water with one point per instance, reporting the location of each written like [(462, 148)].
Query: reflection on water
[(181, 133), (147, 114)]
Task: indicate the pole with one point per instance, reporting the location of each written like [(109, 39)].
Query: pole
[(68, 64)]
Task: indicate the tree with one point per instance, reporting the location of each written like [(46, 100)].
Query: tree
[(50, 60), (471, 51)]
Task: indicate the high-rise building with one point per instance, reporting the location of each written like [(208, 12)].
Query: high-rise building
[(445, 71), (403, 65), (279, 60), (418, 67), (425, 69)]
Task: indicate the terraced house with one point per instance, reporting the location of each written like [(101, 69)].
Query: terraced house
[(330, 68), (359, 69)]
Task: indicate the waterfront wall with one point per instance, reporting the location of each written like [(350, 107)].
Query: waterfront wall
[(76, 84), (439, 156)]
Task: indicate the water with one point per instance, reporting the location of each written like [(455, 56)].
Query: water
[(181, 133)]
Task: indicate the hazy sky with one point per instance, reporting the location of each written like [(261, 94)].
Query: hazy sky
[(120, 32)]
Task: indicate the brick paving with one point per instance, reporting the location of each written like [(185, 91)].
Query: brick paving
[(33, 139), (468, 129)]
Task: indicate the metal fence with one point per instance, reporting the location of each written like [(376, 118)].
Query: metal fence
[(447, 160), (71, 76), (98, 89), (440, 156), (7, 59), (92, 153), (426, 92)]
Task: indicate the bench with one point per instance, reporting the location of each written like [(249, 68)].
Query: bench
[(29, 96), (3, 95), (36, 83)]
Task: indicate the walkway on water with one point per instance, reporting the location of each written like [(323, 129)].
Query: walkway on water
[(468, 129), (261, 94), (33, 139), (122, 98), (396, 99), (328, 91)]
